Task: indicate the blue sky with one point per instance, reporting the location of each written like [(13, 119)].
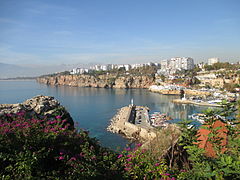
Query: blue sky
[(117, 31)]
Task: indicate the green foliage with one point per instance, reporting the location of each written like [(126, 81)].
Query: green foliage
[(162, 77), (223, 65), (56, 74), (146, 70), (226, 164), (33, 148), (141, 164)]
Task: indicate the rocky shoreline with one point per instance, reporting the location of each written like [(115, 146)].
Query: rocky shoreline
[(180, 101), (99, 81), (38, 107), (190, 92)]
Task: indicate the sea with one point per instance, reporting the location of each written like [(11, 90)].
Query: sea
[(93, 108)]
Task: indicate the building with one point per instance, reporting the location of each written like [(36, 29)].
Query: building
[(80, 71), (170, 66), (212, 61)]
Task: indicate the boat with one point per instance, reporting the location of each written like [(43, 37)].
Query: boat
[(159, 119), (198, 117)]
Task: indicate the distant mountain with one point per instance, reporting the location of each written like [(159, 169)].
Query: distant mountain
[(11, 70)]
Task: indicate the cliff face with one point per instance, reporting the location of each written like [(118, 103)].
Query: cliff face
[(103, 81)]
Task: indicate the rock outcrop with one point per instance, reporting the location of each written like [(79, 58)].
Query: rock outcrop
[(38, 107), (101, 81)]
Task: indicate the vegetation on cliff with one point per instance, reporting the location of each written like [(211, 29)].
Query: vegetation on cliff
[(222, 65)]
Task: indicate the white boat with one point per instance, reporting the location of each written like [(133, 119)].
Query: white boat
[(215, 101), (198, 117)]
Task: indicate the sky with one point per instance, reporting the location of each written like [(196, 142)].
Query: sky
[(34, 32)]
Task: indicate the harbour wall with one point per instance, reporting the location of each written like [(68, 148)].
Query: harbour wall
[(121, 123)]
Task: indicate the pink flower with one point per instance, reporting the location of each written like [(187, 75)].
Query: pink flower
[(129, 155), (17, 125), (129, 159), (128, 165), (20, 113), (128, 149), (157, 164), (58, 117), (9, 115), (138, 145), (61, 153), (61, 158), (73, 159), (120, 155), (183, 170), (126, 169)]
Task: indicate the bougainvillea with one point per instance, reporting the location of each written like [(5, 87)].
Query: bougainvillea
[(45, 148)]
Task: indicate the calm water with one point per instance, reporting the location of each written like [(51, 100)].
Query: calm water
[(93, 108)]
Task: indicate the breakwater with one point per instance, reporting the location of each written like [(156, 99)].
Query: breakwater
[(123, 123)]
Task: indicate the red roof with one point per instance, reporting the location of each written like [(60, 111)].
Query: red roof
[(204, 141)]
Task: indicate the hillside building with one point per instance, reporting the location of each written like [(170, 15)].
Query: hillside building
[(212, 61)]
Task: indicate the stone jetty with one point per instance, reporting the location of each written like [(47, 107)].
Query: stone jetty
[(123, 123)]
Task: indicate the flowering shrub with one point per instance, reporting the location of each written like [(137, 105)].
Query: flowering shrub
[(140, 164), (43, 148)]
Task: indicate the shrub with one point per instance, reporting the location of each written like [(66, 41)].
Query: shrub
[(31, 148), (225, 163), (139, 163)]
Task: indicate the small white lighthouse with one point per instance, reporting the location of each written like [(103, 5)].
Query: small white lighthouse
[(132, 102)]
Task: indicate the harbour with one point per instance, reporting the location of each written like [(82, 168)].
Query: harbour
[(80, 103)]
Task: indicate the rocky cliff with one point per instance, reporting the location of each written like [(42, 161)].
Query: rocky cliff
[(103, 81), (38, 107)]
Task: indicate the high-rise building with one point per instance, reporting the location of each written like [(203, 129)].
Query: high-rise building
[(178, 63)]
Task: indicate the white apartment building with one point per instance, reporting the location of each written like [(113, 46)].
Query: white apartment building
[(127, 67), (212, 61), (137, 65), (170, 66), (79, 71)]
